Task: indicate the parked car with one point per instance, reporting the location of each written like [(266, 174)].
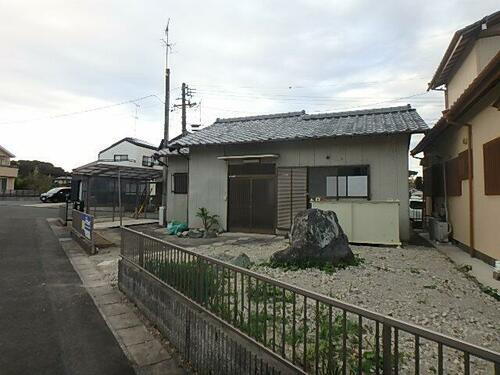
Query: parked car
[(60, 194), (416, 210)]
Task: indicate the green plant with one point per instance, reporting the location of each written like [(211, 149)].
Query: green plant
[(209, 221), (326, 267)]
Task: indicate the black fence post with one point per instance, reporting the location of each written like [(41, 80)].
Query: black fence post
[(387, 349)]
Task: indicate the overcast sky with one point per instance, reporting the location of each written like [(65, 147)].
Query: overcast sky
[(242, 57)]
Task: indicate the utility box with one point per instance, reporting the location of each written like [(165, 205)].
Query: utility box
[(439, 230), (161, 216)]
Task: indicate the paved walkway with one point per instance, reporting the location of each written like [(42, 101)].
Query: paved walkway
[(144, 349), (48, 321), (479, 269)]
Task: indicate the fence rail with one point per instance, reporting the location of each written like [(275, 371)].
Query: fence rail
[(18, 193), (316, 333)]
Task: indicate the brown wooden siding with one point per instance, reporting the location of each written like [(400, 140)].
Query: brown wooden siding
[(491, 153), (292, 195)]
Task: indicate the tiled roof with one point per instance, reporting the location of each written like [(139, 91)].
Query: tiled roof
[(299, 125)]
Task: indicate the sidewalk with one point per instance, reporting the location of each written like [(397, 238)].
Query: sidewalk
[(480, 270), (143, 348)]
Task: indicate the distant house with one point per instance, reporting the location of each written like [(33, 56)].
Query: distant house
[(130, 152), (462, 151), (257, 172), (96, 183), (8, 173)]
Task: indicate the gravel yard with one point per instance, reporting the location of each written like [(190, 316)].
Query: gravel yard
[(416, 284)]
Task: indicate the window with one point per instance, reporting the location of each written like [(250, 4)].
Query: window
[(180, 183), (120, 158), (339, 182), (453, 178), (491, 155), (147, 161)]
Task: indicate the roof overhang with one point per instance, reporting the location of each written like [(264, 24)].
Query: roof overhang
[(459, 47), (484, 90), (246, 157), (7, 152), (103, 169)]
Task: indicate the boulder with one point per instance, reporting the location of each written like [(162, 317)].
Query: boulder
[(195, 233), (242, 261), (316, 237)]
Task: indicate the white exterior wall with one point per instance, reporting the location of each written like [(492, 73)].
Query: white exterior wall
[(387, 157), (176, 203), (134, 152)]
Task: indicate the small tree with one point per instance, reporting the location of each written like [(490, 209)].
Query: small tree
[(209, 221)]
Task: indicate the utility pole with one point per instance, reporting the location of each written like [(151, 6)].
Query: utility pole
[(185, 103), (166, 124)]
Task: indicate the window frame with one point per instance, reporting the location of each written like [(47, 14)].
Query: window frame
[(119, 157), (340, 171), (175, 189), (150, 162)]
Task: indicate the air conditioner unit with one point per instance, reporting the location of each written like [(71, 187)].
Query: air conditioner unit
[(439, 230)]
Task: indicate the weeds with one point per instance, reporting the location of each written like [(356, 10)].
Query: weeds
[(326, 267)]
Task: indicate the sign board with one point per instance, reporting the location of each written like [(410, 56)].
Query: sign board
[(87, 225)]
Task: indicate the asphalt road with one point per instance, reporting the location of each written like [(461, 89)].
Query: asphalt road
[(48, 322)]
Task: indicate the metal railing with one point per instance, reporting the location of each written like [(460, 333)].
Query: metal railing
[(316, 333), (64, 213), (18, 194)]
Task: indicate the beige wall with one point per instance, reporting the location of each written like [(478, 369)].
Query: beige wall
[(486, 126), (386, 155), (176, 203), (480, 55)]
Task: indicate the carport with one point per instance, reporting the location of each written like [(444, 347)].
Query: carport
[(108, 189)]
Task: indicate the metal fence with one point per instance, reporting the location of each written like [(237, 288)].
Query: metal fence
[(316, 333), (8, 194), (64, 213)]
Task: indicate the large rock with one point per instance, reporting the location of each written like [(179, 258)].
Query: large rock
[(316, 237)]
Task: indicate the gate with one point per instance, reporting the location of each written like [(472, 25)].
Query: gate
[(252, 198)]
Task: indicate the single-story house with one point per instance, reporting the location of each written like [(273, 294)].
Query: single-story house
[(257, 172), (461, 164)]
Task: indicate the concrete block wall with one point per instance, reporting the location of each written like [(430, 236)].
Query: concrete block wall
[(208, 343)]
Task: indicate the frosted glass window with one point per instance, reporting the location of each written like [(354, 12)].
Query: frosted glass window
[(358, 186), (331, 186), (342, 188)]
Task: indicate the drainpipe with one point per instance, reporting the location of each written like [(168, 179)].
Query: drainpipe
[(470, 173)]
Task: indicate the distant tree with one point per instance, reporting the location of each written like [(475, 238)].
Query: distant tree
[(36, 175), (27, 167)]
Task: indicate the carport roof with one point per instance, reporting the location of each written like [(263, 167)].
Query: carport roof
[(106, 169)]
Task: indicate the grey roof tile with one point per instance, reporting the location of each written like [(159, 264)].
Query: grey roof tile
[(299, 125)]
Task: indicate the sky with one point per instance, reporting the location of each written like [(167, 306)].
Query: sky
[(76, 76)]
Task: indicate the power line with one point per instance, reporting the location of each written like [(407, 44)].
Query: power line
[(51, 117)]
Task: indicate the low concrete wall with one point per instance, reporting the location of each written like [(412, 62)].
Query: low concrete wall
[(208, 343), (369, 222)]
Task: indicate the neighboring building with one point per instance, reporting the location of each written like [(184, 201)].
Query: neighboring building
[(257, 172), (8, 173), (96, 185), (462, 151), (130, 152)]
